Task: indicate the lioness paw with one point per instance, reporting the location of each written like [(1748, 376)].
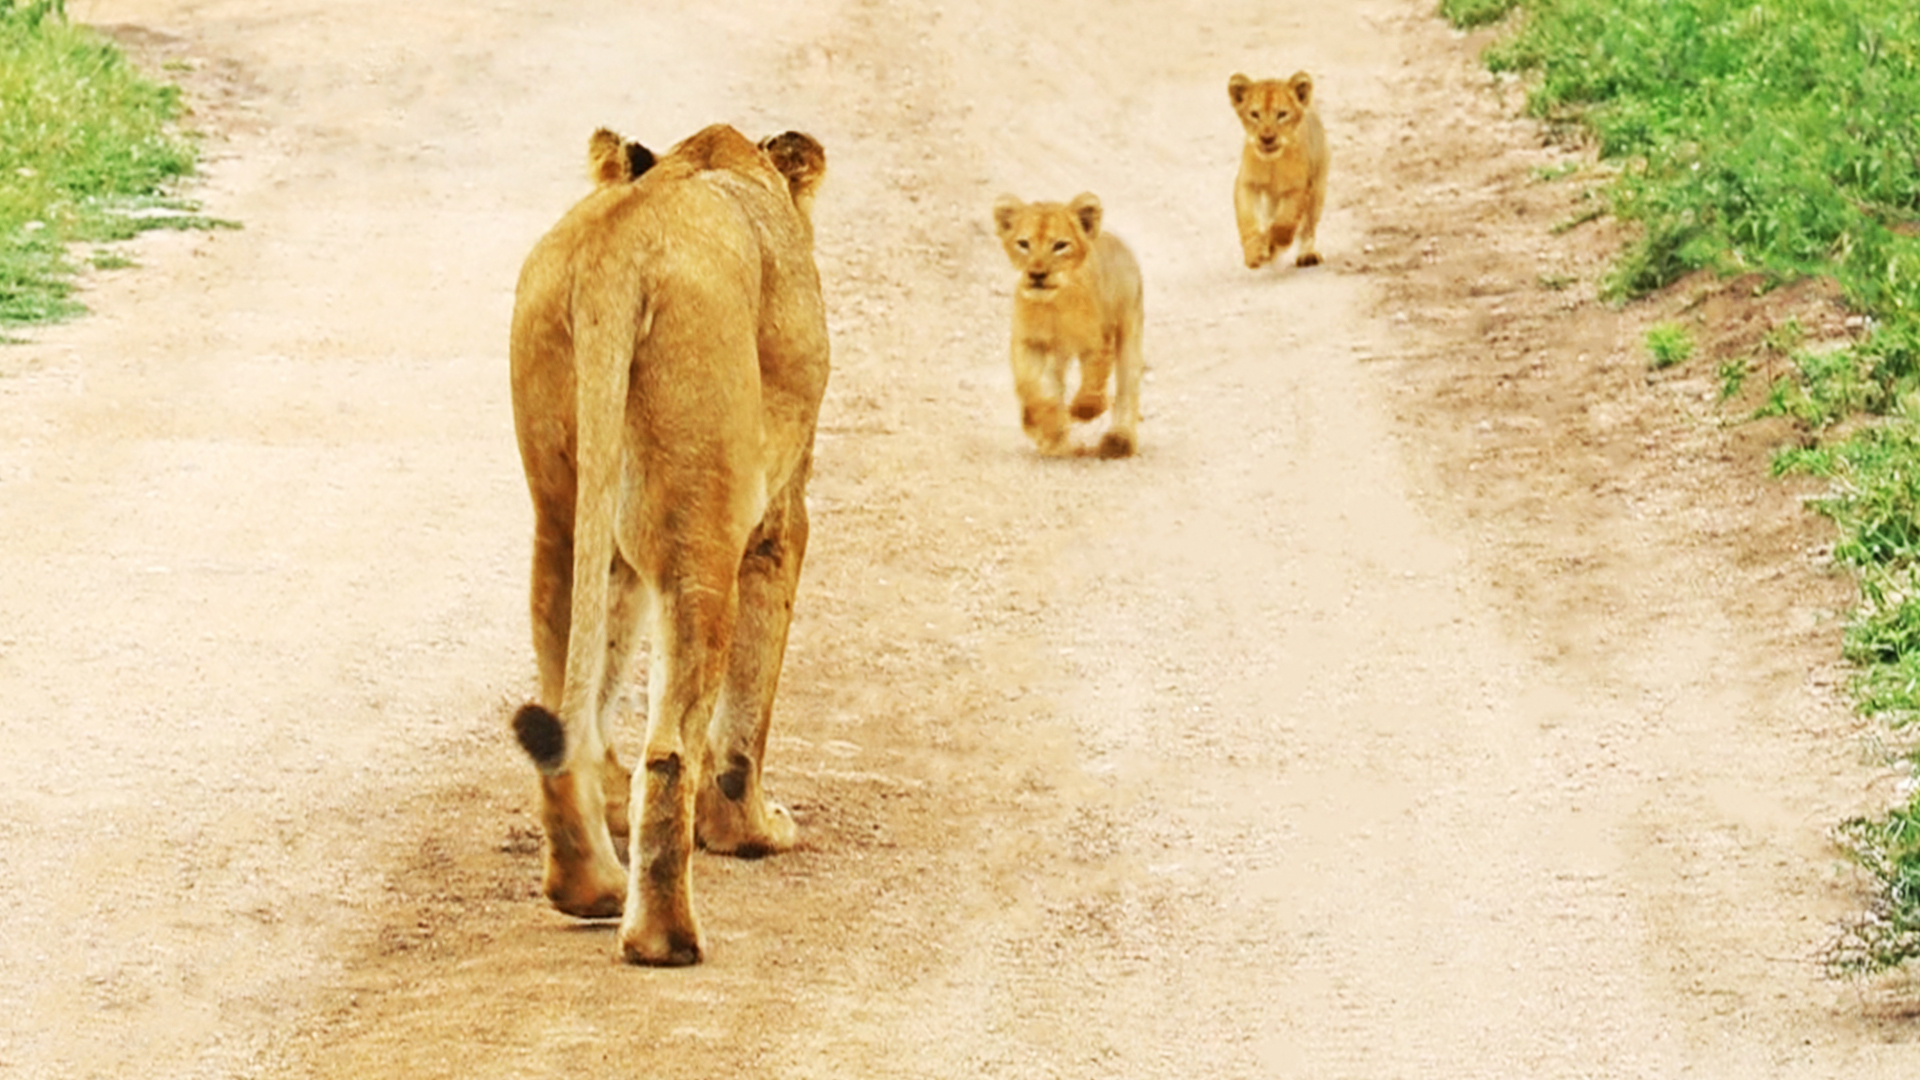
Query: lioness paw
[(655, 946)]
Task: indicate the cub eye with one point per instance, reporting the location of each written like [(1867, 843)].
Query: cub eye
[(1282, 115), (1059, 246), (1021, 244)]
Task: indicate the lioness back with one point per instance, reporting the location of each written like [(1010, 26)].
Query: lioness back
[(1282, 183)]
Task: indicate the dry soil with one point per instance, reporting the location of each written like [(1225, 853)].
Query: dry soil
[(1438, 694)]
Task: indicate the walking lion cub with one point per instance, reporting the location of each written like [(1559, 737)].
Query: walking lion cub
[(1078, 297), (1283, 168)]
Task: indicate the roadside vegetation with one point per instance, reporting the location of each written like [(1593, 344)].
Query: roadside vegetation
[(88, 155), (1780, 137)]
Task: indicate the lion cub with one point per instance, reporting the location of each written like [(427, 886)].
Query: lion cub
[(1283, 167), (1078, 297)]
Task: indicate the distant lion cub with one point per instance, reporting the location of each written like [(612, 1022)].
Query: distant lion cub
[(1283, 167), (1078, 296)]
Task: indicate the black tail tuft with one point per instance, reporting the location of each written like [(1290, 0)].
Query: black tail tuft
[(541, 736)]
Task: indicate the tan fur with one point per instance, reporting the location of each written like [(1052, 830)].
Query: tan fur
[(669, 353), (1283, 168), (1078, 296)]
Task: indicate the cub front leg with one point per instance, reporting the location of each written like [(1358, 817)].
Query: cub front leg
[(1256, 241), (1090, 399), (1309, 255), (1039, 382)]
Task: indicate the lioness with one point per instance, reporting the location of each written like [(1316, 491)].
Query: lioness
[(1078, 296), (1283, 168), (669, 352)]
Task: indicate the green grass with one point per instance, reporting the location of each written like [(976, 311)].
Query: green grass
[(1669, 344), (1780, 137), (85, 143)]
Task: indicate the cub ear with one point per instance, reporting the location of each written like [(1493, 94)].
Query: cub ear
[(1085, 209), (1302, 86), (1004, 208), (1237, 88)]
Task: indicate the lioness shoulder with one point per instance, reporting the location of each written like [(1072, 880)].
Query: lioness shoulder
[(1282, 183), (1077, 298)]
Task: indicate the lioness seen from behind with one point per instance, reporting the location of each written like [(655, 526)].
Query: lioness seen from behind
[(669, 353)]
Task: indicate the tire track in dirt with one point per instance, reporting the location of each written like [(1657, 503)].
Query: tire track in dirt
[(1288, 748)]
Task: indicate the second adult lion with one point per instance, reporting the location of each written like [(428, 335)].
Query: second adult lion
[(669, 354)]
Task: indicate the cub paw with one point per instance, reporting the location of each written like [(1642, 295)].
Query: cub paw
[(1117, 444), (1307, 258), (1088, 406)]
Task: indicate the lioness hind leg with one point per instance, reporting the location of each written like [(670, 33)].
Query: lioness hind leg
[(582, 875), (624, 634), (690, 648), (734, 815)]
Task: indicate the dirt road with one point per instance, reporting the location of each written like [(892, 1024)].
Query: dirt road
[(1434, 696)]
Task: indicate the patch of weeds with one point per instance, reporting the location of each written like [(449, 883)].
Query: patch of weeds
[(1777, 136), (1547, 174), (1556, 282), (1783, 338), (88, 153), (1887, 934), (1591, 213), (109, 260), (1733, 377), (1668, 343), (1468, 14)]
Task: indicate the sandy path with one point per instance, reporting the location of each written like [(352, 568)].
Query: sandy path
[(1292, 747)]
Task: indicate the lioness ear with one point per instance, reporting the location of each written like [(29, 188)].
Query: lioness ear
[(613, 160), (1004, 208), (606, 162), (1302, 86), (1237, 88), (639, 160), (799, 157), (1085, 209)]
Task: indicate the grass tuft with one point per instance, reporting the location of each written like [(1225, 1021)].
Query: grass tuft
[(86, 145), (1669, 344)]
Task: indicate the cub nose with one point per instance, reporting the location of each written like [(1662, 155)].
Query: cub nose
[(1038, 277)]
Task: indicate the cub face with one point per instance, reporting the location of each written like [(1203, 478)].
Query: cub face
[(1047, 243), (1271, 110)]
